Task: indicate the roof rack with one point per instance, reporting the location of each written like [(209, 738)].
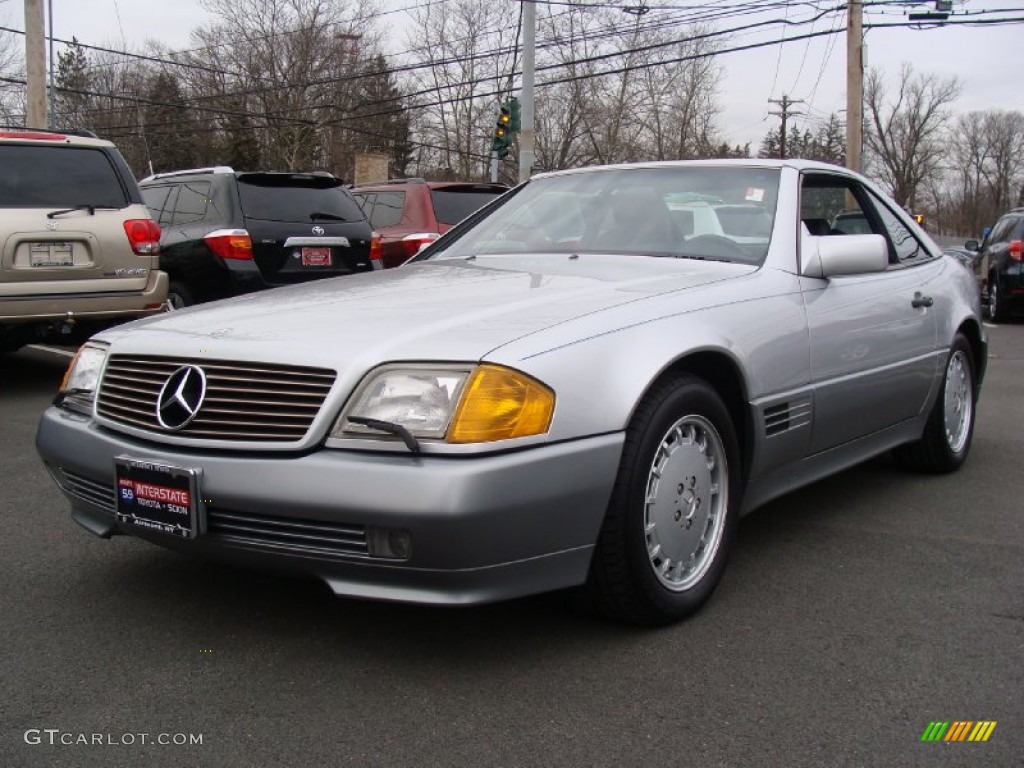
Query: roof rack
[(190, 172)]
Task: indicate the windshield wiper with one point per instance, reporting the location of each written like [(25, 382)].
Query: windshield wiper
[(391, 428), (328, 216), (84, 207), (90, 208)]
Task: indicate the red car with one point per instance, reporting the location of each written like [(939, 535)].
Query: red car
[(409, 213)]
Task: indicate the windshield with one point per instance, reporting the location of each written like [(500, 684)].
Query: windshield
[(58, 177), (702, 212), (295, 198)]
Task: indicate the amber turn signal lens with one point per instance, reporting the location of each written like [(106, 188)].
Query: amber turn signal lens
[(500, 404)]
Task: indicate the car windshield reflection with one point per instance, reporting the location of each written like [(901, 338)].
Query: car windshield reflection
[(696, 212)]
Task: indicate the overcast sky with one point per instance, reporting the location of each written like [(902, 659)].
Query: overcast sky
[(988, 60)]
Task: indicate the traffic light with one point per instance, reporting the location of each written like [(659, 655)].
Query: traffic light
[(919, 218), (506, 127)]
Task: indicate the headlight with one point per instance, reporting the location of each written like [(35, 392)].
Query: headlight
[(79, 385), (458, 404), (420, 399)]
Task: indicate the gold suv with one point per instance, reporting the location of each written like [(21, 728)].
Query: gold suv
[(78, 247)]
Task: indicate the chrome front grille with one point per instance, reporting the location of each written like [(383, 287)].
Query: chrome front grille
[(286, 533), (92, 491), (244, 401)]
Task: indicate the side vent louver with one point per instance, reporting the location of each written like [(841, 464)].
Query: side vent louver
[(786, 416)]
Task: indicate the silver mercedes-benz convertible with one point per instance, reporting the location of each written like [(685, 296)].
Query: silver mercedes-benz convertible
[(586, 382)]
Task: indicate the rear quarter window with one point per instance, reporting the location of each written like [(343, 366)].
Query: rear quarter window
[(34, 176), (387, 209)]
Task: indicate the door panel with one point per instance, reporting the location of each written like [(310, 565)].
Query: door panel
[(873, 352)]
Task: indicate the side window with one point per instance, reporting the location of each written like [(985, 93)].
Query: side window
[(907, 247), (192, 201), (1001, 232), (387, 209), (155, 199), (830, 205)]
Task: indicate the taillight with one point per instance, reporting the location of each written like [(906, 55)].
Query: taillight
[(230, 243), (1016, 250), (143, 235), (415, 242), (376, 251)]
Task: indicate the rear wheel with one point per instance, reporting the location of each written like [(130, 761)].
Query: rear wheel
[(947, 438), (179, 295), (996, 306), (670, 524)]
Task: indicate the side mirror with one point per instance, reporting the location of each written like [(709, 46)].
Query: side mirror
[(835, 255), (972, 245)]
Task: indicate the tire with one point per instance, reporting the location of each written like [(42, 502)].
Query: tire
[(996, 306), (947, 437), (683, 430), (179, 295)]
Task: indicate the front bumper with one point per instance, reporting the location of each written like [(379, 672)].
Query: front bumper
[(483, 528)]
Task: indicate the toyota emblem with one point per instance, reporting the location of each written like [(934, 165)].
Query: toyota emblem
[(318, 230), (181, 397)]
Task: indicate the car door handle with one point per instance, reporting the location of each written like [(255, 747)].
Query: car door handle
[(921, 301)]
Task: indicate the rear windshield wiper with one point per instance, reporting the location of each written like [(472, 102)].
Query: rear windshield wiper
[(84, 207), (329, 216)]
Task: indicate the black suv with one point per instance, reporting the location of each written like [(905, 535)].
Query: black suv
[(1002, 264), (227, 232)]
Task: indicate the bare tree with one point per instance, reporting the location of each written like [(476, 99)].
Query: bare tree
[(905, 131), (466, 66), (278, 64), (985, 172), (12, 93)]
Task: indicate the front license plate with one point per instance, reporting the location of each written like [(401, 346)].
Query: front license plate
[(316, 257), (51, 255), (157, 497)]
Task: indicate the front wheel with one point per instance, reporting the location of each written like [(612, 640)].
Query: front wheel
[(947, 437), (671, 521)]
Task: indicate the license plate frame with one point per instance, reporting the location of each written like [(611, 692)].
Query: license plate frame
[(316, 257), (51, 254), (157, 497)]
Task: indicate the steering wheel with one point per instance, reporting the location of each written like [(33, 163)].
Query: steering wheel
[(714, 246)]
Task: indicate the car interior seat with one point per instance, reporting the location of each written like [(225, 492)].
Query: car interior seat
[(638, 220)]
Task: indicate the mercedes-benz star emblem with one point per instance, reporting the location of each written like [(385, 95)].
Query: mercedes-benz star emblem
[(181, 397), (318, 230)]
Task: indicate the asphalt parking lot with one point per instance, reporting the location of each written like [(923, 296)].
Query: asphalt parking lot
[(854, 613)]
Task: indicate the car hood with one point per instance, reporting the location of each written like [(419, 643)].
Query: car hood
[(436, 310)]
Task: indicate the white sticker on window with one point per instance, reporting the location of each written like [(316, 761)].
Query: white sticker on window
[(755, 195)]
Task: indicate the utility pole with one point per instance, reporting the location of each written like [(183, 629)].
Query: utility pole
[(785, 113), (35, 64), (51, 111), (526, 134), (854, 83)]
